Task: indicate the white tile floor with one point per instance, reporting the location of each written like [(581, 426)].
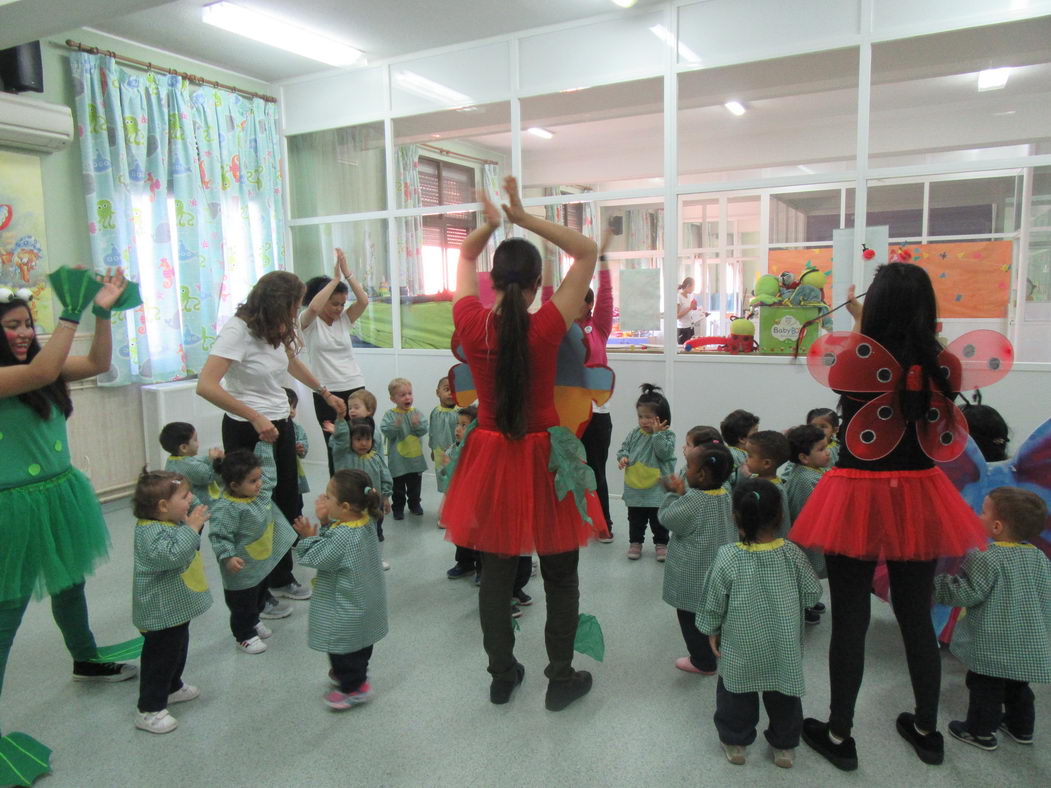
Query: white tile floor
[(260, 720)]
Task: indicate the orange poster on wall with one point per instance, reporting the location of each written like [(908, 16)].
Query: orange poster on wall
[(970, 278)]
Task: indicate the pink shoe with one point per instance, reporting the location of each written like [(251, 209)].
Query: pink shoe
[(341, 701), (662, 553), (634, 551), (686, 664)]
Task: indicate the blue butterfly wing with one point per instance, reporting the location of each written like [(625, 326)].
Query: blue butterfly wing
[(1031, 470), (577, 384), (461, 381)]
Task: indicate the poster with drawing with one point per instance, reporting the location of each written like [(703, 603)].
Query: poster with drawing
[(23, 255), (640, 299)]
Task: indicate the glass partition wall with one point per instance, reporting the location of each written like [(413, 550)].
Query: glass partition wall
[(715, 158)]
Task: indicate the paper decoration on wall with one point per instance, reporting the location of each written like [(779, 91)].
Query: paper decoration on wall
[(640, 299), (23, 239)]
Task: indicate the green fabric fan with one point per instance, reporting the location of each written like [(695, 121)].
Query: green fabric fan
[(589, 638), (74, 288), (129, 299), (22, 759), (121, 652)]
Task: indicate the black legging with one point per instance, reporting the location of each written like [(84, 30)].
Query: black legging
[(326, 412), (242, 435), (850, 589), (596, 446)]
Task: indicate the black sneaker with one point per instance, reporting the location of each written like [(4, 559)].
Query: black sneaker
[(958, 730), (811, 616), (500, 690), (561, 693), (103, 671), (930, 747), (522, 598), (459, 571), (843, 755), (416, 509), (516, 611), (398, 514), (1021, 738), (819, 608)]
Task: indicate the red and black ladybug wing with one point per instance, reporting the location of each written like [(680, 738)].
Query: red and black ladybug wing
[(852, 362), (976, 360), (942, 433), (876, 429)]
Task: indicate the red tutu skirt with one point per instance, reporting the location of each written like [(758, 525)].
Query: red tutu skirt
[(502, 499), (894, 515)]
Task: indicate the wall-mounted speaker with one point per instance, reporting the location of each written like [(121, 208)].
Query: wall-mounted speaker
[(21, 69)]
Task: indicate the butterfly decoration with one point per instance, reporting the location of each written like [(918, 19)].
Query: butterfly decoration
[(577, 384), (1029, 469), (853, 362)]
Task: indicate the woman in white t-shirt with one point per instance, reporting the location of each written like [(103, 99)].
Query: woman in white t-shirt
[(686, 304), (244, 374), (326, 328)]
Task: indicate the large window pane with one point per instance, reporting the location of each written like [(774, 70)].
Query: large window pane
[(595, 139), (337, 171), (365, 243), (978, 93), (786, 116), (635, 259), (974, 206)]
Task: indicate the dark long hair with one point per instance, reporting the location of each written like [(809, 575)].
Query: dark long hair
[(39, 400), (269, 310), (901, 313), (757, 508), (516, 269), (349, 487)]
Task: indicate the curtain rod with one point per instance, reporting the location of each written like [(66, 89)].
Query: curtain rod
[(154, 67), (454, 153)]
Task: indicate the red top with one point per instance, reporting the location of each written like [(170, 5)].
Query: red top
[(477, 329), (599, 325)]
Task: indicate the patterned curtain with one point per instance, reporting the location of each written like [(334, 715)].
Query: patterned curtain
[(409, 229), (183, 189), (491, 184)]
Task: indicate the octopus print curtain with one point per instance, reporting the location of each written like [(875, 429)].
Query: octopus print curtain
[(183, 189)]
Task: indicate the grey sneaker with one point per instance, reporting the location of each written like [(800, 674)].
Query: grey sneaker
[(294, 591), (275, 609)]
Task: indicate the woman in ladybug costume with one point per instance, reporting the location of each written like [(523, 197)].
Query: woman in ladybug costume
[(886, 500)]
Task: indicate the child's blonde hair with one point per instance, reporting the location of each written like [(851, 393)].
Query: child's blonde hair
[(398, 383), (152, 488), (368, 399)]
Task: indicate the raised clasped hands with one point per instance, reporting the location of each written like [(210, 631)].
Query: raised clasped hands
[(513, 209), (113, 284)]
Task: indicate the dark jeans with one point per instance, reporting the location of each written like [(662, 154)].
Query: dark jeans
[(242, 435), (326, 413), (245, 605), (850, 589), (408, 485), (525, 570), (379, 527), (737, 713), (494, 607), (641, 516), (69, 608), (996, 700), (161, 665), (351, 670), (697, 642), (684, 335), (469, 558), (596, 446)]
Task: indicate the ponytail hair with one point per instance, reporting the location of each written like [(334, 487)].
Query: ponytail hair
[(717, 461), (516, 269), (687, 282), (653, 399), (757, 508), (354, 487), (151, 488)]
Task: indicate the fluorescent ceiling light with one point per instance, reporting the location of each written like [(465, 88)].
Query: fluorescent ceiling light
[(684, 51), (279, 33), (427, 88), (625, 3), (736, 107), (544, 134), (993, 78)]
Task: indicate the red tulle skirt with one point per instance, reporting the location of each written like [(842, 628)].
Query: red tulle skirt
[(502, 500), (894, 515)]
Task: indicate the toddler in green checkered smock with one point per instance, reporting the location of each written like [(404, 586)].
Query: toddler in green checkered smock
[(168, 589), (754, 598), (348, 611), (179, 439), (1004, 637)]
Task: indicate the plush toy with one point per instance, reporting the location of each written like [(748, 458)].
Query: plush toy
[(767, 291), (741, 339)]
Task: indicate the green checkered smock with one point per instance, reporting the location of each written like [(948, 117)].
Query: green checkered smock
[(168, 585), (373, 463), (404, 449), (650, 456), (301, 437), (348, 610), (252, 528), (700, 521), (740, 457), (800, 481), (203, 478), (441, 435), (754, 599), (1006, 589)]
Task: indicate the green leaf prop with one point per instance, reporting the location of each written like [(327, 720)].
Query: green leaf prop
[(22, 759), (515, 626), (74, 288), (129, 649), (129, 299), (589, 638), (572, 473)]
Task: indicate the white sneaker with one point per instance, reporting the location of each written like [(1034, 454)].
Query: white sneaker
[(252, 646), (263, 630), (293, 591), (386, 566), (275, 609), (184, 693), (155, 721)]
